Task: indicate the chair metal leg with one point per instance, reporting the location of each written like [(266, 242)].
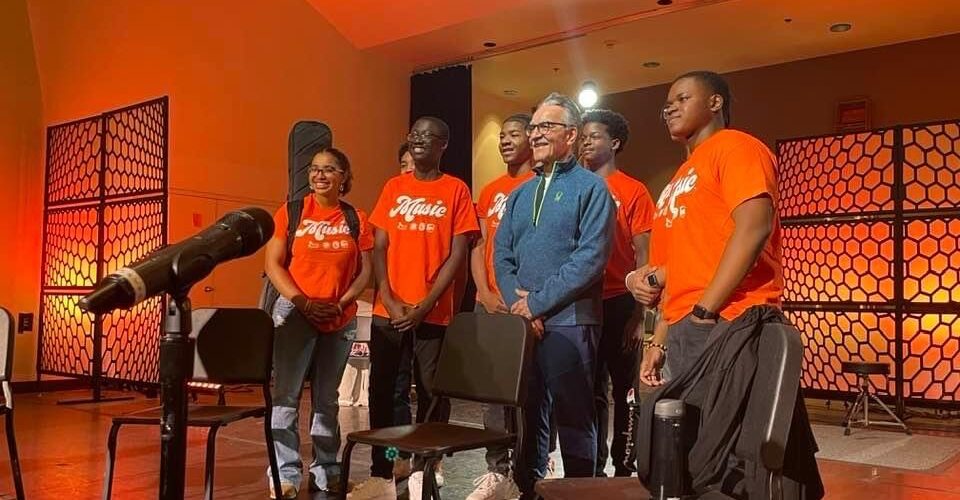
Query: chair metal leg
[(430, 478), (211, 462), (111, 459), (14, 456), (271, 450), (345, 469)]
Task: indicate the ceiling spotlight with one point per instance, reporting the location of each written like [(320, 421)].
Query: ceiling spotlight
[(489, 44), (510, 92), (588, 95), (651, 64), (841, 27)]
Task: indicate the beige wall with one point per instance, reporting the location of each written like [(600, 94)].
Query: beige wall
[(489, 111), (906, 83), (238, 75), (21, 175)]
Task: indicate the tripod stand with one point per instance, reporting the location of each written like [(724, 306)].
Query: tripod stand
[(863, 370)]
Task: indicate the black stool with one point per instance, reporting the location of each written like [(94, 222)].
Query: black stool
[(863, 370)]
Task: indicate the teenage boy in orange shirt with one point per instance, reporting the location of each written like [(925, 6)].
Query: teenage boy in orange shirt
[(605, 134), (424, 223)]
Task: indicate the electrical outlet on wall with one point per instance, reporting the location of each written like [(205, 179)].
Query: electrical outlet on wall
[(24, 322)]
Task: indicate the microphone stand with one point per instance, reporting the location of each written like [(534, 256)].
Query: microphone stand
[(176, 365)]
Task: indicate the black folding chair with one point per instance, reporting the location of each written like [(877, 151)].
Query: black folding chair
[(483, 359), (6, 365), (233, 346)]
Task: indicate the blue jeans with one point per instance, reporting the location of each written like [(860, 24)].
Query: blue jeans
[(300, 350), (561, 383)]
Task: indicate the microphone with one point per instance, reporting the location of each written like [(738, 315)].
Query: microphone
[(175, 268)]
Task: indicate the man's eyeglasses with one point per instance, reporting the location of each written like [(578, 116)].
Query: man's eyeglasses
[(415, 136), (324, 170), (545, 127)]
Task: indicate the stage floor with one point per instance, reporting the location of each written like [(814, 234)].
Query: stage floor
[(62, 454)]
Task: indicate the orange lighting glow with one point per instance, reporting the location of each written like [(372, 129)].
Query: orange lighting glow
[(842, 227)]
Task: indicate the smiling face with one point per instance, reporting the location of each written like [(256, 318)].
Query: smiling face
[(514, 143), (427, 142), (552, 136), (690, 107), (326, 175)]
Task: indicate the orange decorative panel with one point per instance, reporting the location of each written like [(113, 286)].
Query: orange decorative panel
[(73, 161), (838, 262), (931, 173), (105, 208), (70, 351), (871, 230), (832, 337), (836, 174), (70, 247)]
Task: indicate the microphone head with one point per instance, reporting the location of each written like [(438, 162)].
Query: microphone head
[(253, 224)]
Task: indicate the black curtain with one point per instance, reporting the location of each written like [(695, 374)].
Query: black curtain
[(447, 94)]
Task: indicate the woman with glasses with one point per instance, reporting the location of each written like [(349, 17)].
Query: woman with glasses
[(327, 268)]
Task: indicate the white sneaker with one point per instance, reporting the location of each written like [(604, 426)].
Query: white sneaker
[(494, 486), (551, 469), (415, 486), (438, 474), (374, 488)]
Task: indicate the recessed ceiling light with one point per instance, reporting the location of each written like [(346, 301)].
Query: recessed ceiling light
[(651, 64), (610, 43), (489, 44), (788, 19), (510, 92), (664, 2), (588, 94), (841, 27)]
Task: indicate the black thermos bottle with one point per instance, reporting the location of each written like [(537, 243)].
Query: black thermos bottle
[(668, 467)]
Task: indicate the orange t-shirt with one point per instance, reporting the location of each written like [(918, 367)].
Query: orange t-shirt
[(421, 218), (324, 255), (634, 216), (493, 200), (694, 221)]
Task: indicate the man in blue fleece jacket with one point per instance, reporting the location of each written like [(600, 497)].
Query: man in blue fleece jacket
[(550, 252)]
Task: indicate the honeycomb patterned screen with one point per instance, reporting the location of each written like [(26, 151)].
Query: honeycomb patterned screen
[(871, 226), (105, 206)]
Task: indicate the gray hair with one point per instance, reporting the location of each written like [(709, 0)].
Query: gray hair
[(573, 110)]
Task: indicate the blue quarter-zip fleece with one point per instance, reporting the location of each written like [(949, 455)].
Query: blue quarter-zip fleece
[(559, 257)]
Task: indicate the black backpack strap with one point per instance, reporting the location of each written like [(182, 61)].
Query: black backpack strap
[(353, 220), (294, 211)]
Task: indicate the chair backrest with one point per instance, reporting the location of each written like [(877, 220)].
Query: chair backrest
[(6, 344), (233, 346), (773, 396), (484, 357)]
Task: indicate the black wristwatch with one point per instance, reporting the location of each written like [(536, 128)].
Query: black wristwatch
[(701, 312)]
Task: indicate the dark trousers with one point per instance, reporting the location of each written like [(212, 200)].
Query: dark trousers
[(619, 367), (390, 352), (561, 383), (686, 341)]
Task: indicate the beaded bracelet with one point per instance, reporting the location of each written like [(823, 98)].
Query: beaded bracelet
[(662, 347)]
